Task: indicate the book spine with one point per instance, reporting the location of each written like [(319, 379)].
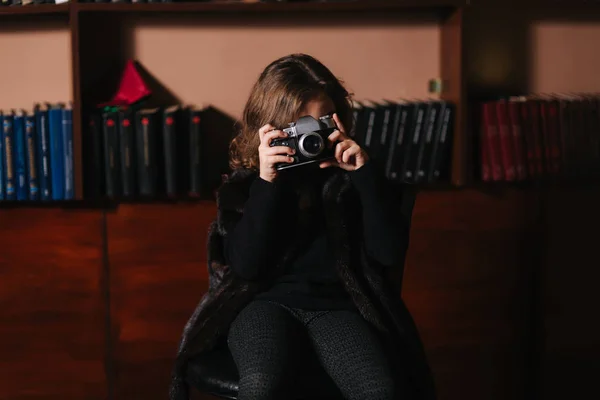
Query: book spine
[(441, 163), (8, 138), (517, 140), (32, 177), (169, 126), (20, 158), (401, 142), (195, 151), (536, 137), (435, 141), (127, 150), (526, 128), (486, 170), (564, 135), (493, 141), (505, 139), (426, 148), (43, 154), (146, 159), (412, 147), (360, 128), (577, 128), (111, 159), (546, 142), (592, 135), (554, 137), (67, 143), (596, 136), (385, 135), (369, 130), (355, 115), (57, 164)]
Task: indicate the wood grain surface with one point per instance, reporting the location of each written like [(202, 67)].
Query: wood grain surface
[(157, 256), (52, 338), (501, 285), (467, 284), (569, 295)]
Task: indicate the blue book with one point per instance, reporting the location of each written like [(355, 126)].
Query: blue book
[(67, 134), (9, 175), (57, 163), (32, 176), (42, 144), (19, 156), (1, 158)]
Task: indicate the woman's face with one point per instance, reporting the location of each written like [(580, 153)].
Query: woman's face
[(318, 107)]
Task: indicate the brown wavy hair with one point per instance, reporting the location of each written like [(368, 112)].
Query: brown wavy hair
[(280, 93)]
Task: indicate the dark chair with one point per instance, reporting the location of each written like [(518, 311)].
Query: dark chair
[(215, 372)]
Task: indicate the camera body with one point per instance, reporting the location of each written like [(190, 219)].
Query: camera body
[(308, 136)]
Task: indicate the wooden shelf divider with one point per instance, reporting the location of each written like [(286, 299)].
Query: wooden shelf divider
[(35, 9)]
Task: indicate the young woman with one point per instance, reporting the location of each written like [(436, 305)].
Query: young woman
[(300, 255)]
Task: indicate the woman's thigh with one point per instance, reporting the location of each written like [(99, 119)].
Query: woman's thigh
[(352, 355), (261, 340)]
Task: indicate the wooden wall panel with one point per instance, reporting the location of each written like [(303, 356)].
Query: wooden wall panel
[(467, 285), (51, 307), (157, 256), (571, 330)]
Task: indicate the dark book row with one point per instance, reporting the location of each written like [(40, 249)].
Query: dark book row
[(409, 139), (30, 2), (539, 136), (36, 154), (147, 153), (132, 1)]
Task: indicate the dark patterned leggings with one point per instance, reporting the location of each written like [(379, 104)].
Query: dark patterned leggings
[(263, 342)]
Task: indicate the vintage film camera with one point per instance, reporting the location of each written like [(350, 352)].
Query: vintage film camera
[(308, 136)]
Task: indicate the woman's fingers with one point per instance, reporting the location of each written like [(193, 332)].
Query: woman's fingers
[(262, 131), (339, 124), (328, 163), (272, 160), (278, 150), (350, 152), (335, 136), (340, 148), (269, 136)]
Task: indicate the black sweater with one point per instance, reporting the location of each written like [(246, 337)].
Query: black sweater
[(279, 216)]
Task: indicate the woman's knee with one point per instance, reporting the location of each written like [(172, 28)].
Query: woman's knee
[(260, 385), (373, 389)]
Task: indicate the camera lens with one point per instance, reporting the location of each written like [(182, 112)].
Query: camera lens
[(311, 144)]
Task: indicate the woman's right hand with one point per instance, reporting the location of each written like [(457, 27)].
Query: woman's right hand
[(270, 156)]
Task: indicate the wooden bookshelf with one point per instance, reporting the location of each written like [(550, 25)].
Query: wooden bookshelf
[(104, 15)]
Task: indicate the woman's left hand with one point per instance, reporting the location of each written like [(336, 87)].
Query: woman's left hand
[(349, 155)]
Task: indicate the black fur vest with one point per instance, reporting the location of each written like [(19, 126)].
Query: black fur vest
[(364, 279)]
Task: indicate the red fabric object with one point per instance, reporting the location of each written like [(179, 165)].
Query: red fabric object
[(131, 89)]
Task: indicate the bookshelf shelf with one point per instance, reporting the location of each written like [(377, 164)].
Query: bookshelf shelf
[(100, 204), (35, 9), (238, 7), (563, 5)]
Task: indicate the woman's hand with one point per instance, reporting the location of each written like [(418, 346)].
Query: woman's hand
[(269, 156), (349, 155)]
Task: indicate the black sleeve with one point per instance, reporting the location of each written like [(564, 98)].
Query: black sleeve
[(384, 228), (249, 246)]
